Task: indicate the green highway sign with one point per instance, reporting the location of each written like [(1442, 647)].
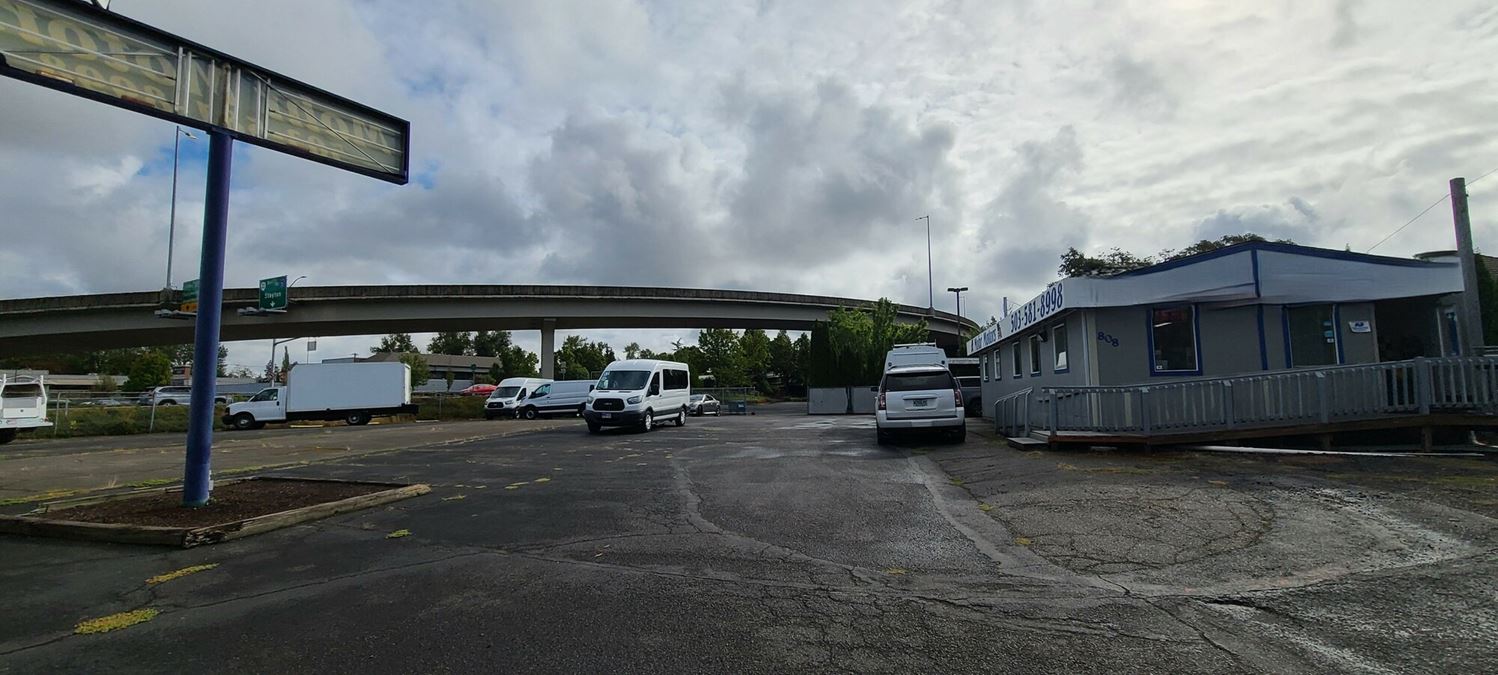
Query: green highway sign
[(273, 293), (189, 296)]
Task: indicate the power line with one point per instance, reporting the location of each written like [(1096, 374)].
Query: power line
[(1427, 210), (1407, 224)]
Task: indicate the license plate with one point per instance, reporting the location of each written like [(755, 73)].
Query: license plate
[(921, 403), (607, 416)]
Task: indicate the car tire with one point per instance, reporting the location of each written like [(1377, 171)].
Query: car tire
[(882, 437), (717, 411), (647, 421), (529, 413), (594, 427), (243, 421), (681, 418), (357, 419)]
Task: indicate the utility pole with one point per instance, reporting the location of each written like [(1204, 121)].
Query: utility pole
[(1471, 308), (930, 284)]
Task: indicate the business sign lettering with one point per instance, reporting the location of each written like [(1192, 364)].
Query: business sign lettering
[(986, 339), (83, 50), (1047, 303)]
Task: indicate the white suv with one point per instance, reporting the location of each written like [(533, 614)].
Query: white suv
[(924, 398)]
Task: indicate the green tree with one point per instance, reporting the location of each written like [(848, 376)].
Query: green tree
[(783, 361), (580, 359), (452, 343), (754, 351), (285, 365), (1074, 263), (395, 343), (150, 369), (849, 348), (1487, 299), (420, 371), (496, 373), (632, 350), (490, 342), (723, 357), (449, 379)]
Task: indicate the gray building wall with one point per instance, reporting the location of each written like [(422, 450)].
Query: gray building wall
[(1357, 347), (1079, 354)]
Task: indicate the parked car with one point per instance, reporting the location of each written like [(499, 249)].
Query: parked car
[(919, 398), (702, 404), (566, 397), (174, 396), (636, 392), (478, 390), (506, 398), (23, 405)]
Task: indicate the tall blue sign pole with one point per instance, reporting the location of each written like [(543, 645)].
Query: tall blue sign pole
[(196, 478)]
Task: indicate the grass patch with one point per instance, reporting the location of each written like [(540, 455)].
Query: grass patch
[(398, 534), (51, 494), (104, 624), (123, 421), (178, 574), (153, 482)]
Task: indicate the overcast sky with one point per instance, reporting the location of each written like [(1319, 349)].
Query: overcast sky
[(779, 146)]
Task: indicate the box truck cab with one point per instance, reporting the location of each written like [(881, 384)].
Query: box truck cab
[(564, 397), (637, 393), (922, 354), (506, 399), (352, 392), (23, 405)]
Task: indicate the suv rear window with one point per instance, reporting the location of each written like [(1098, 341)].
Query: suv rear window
[(918, 381)]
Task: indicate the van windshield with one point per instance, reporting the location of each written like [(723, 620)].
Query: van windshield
[(505, 392), (623, 380)]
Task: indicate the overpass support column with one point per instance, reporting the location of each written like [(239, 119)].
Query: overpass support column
[(549, 348)]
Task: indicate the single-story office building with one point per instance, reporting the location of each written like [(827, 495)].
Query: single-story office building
[(1241, 309)]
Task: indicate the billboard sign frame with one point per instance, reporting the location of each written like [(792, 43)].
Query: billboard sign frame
[(81, 49)]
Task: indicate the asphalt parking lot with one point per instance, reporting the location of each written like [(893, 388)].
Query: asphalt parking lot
[(781, 542)]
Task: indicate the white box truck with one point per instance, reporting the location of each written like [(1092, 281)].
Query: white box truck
[(352, 392), (23, 405)]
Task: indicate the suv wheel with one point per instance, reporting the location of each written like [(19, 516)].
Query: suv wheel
[(529, 412), (647, 422)]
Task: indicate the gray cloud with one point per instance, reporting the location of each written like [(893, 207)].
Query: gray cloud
[(1138, 86), (1295, 220), (1027, 226)]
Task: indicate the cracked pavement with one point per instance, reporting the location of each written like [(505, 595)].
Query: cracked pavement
[(781, 542)]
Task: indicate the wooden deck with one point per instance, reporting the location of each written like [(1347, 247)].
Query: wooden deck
[(1325, 432)]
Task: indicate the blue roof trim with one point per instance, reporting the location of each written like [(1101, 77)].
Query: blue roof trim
[(1293, 249)]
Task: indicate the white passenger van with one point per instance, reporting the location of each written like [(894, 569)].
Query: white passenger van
[(637, 392), (506, 399), (926, 354), (556, 398)]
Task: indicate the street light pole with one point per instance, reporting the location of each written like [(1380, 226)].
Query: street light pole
[(930, 284), (171, 232), (958, 291)]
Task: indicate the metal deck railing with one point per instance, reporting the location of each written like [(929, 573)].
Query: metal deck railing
[(1287, 398)]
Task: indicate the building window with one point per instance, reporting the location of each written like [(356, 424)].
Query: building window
[(1058, 347), (983, 363), (998, 366), (1173, 340), (1019, 368), (1034, 355), (1313, 335)]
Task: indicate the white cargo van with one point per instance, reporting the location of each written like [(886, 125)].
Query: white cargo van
[(565, 397), (506, 399), (23, 405), (927, 354), (352, 392), (637, 392)]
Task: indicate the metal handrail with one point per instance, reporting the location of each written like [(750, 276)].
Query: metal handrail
[(1282, 398)]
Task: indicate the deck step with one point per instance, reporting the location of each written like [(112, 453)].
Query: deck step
[(1026, 443)]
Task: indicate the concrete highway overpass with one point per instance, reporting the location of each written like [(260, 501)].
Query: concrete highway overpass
[(86, 322)]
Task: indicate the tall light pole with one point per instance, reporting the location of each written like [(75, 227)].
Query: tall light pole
[(171, 232), (930, 284), (958, 291)]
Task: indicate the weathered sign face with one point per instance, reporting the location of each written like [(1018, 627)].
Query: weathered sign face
[(80, 49)]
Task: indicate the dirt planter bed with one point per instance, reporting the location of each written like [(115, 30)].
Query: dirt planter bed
[(238, 508)]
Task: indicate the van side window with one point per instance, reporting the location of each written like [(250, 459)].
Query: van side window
[(676, 379), (542, 390), (655, 384)]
